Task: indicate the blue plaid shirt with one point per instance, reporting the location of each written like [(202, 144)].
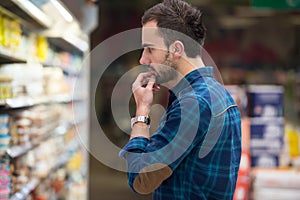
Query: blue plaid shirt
[(199, 140)]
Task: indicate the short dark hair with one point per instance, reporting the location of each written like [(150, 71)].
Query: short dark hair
[(179, 16)]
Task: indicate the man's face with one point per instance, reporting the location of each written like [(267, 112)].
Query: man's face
[(156, 55)]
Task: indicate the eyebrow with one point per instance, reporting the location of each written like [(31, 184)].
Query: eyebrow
[(147, 45)]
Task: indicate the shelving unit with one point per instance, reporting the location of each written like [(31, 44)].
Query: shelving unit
[(26, 11), (23, 102), (24, 193), (35, 21), (77, 46), (16, 150), (7, 56), (34, 182)]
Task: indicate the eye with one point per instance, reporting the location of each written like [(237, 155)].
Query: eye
[(149, 49)]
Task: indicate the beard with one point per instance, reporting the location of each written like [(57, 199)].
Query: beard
[(167, 71)]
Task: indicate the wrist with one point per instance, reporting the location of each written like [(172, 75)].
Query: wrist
[(140, 129), (142, 111), (141, 125)]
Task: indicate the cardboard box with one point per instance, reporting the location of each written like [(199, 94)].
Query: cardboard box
[(268, 128), (265, 160), (265, 100), (277, 178), (276, 194), (276, 184), (266, 141)]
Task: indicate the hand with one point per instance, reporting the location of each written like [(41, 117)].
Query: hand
[(143, 89)]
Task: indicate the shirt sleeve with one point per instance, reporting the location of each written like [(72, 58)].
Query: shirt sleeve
[(151, 161)]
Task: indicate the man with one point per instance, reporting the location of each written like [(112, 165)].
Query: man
[(195, 152)]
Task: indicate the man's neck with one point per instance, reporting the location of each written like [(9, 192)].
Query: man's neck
[(186, 66)]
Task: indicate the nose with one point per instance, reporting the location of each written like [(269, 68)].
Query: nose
[(144, 60)]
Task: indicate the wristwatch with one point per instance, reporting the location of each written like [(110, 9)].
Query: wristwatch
[(143, 119)]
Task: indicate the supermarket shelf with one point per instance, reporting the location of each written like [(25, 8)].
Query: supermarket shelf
[(64, 158), (16, 151), (69, 43), (41, 18), (19, 102), (23, 102), (7, 56), (65, 69), (72, 147), (61, 98), (34, 182), (26, 190), (27, 12)]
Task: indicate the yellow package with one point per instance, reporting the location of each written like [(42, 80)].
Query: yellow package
[(1, 29), (15, 35), (6, 31), (42, 48), (5, 87), (293, 141), (75, 161)]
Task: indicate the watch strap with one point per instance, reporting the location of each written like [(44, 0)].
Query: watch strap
[(143, 119)]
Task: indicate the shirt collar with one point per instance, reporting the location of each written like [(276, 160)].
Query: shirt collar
[(191, 77)]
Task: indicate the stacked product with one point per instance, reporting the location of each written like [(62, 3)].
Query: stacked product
[(4, 137), (26, 79), (5, 87), (32, 81), (283, 182), (33, 125), (267, 129), (32, 135), (10, 32), (276, 184), (265, 103)]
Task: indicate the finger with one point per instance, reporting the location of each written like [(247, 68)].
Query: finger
[(141, 80), (151, 82)]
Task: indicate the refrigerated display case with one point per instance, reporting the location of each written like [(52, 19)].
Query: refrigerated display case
[(42, 56)]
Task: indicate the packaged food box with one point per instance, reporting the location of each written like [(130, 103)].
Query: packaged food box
[(265, 100), (266, 141)]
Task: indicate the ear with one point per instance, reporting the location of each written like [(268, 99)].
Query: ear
[(177, 49)]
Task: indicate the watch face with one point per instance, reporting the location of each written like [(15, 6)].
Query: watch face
[(143, 119)]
